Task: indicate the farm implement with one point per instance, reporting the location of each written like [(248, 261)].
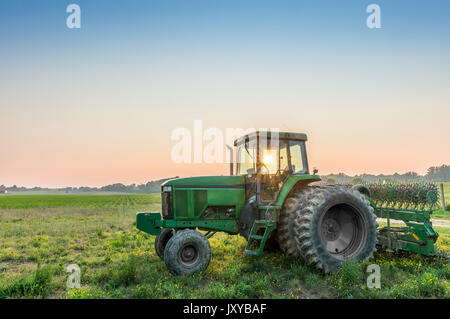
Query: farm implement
[(268, 199), (410, 203)]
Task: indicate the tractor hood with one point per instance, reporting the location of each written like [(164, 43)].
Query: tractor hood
[(206, 182)]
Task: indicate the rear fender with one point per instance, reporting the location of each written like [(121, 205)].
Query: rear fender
[(293, 182)]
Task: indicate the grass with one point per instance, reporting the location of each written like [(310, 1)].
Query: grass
[(118, 261)]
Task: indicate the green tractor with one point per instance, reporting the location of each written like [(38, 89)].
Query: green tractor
[(269, 201)]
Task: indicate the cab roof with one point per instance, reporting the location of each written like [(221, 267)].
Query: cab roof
[(271, 134)]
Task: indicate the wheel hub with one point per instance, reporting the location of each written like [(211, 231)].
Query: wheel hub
[(343, 231), (331, 229), (188, 255)]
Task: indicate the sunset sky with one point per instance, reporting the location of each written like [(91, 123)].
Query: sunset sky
[(97, 105)]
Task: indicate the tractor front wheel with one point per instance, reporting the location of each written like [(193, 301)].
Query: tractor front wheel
[(187, 252), (161, 241)]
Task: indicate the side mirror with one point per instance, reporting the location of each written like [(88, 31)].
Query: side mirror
[(315, 171)]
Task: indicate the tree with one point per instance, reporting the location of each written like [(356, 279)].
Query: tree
[(438, 173)]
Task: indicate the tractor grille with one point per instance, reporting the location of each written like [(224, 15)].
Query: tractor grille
[(166, 203), (181, 203)]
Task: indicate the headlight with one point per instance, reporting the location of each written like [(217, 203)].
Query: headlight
[(167, 188)]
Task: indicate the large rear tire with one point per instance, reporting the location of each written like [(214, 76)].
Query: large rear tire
[(333, 224), (285, 229)]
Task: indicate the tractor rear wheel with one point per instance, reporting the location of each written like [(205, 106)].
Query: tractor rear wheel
[(187, 252), (333, 224), (285, 231), (161, 241)]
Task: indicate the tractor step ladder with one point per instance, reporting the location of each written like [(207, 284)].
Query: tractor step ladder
[(254, 237)]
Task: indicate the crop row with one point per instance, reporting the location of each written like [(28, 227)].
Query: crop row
[(48, 201)]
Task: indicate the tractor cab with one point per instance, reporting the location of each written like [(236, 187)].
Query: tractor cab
[(267, 160)]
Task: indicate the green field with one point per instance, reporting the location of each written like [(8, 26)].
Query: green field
[(40, 235), (51, 201)]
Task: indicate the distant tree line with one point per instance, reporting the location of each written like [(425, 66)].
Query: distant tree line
[(149, 187), (434, 174)]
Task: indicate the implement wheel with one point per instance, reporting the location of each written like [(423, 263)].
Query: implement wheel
[(363, 189), (187, 252), (161, 241), (335, 224)]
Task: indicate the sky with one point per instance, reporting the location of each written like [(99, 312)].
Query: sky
[(98, 105)]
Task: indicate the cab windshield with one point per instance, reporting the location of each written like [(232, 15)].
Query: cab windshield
[(288, 156)]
